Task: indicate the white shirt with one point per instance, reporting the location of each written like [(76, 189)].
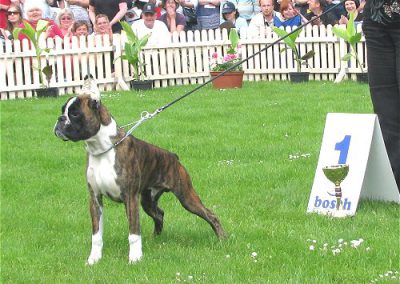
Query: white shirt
[(159, 32), (258, 22)]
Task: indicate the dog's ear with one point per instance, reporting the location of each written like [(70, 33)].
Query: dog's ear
[(90, 88), (94, 104)]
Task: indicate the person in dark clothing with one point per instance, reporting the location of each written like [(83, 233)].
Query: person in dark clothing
[(381, 27), (114, 9), (317, 7)]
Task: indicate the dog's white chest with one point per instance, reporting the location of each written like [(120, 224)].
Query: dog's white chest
[(102, 176)]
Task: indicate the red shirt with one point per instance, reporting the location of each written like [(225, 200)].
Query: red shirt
[(3, 14), (53, 30)]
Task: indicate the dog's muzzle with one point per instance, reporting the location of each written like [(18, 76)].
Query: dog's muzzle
[(58, 128)]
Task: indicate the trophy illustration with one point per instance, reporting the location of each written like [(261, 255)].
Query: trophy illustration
[(336, 174)]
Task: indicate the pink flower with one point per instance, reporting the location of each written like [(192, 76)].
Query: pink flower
[(215, 55)]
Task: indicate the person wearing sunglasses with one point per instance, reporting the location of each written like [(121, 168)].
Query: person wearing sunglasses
[(65, 20), (14, 19)]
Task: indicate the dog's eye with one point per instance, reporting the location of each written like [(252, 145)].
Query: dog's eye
[(74, 114)]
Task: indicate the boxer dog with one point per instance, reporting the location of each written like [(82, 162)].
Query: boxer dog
[(130, 172)]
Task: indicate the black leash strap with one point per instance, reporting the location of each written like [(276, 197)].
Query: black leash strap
[(146, 115)]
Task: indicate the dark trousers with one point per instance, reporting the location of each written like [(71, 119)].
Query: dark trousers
[(383, 55)]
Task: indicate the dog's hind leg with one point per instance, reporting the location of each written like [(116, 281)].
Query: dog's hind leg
[(189, 199), (149, 204), (191, 202)]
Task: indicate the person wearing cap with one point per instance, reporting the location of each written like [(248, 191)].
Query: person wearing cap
[(381, 27), (231, 14), (174, 21), (149, 24), (351, 6), (114, 9), (208, 14), (247, 8), (317, 8)]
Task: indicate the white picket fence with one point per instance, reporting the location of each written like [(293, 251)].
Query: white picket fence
[(185, 61)]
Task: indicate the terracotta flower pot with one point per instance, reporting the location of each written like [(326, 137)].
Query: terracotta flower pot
[(229, 80)]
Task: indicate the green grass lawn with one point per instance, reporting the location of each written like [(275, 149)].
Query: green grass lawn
[(237, 145)]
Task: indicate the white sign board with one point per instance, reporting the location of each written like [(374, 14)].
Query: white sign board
[(355, 140)]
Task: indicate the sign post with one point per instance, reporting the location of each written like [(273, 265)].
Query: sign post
[(354, 140)]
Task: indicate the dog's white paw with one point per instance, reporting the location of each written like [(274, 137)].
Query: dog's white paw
[(135, 248), (134, 257), (94, 258)]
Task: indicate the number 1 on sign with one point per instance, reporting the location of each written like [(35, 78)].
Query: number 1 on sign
[(343, 146)]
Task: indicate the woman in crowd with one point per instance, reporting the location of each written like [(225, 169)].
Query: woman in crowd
[(33, 15), (351, 6), (102, 26), (289, 16), (231, 14), (208, 14), (174, 21), (14, 20), (65, 20)]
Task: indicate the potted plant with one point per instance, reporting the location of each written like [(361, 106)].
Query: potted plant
[(352, 37), (234, 77), (132, 54), (290, 41), (34, 36)]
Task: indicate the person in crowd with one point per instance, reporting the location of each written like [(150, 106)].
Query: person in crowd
[(246, 8), (289, 16), (80, 28), (57, 4), (114, 9), (148, 24), (208, 14), (158, 4), (381, 26), (102, 26), (14, 20), (301, 6), (4, 4), (231, 14), (175, 21), (266, 18), (80, 10), (65, 20), (44, 6), (188, 9), (351, 6), (317, 8), (33, 15), (337, 10)]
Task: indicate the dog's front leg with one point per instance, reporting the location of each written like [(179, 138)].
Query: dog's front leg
[(135, 240), (96, 212)]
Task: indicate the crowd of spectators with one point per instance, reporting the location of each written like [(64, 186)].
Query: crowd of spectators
[(161, 17)]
